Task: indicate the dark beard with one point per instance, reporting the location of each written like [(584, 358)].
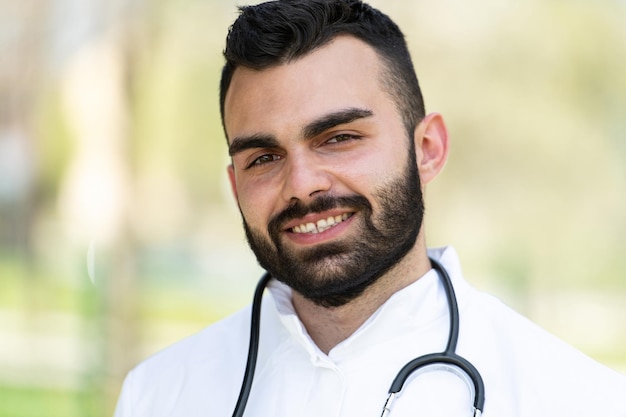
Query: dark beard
[(335, 273)]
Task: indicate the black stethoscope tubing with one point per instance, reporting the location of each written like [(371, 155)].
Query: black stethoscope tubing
[(448, 356), (253, 347)]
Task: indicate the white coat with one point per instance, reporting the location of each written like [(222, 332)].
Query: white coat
[(527, 372)]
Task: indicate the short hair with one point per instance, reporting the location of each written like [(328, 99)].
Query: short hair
[(277, 32)]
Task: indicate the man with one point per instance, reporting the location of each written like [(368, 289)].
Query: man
[(331, 149)]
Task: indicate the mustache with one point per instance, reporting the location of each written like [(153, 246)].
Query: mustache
[(299, 209)]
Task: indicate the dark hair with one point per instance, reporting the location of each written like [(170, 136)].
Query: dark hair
[(277, 32)]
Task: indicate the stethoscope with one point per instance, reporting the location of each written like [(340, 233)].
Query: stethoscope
[(448, 359)]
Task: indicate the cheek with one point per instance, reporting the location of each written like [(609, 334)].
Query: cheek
[(375, 169), (256, 204)]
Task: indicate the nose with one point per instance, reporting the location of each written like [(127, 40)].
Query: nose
[(305, 177)]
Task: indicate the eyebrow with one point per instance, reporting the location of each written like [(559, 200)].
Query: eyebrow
[(242, 143), (316, 127), (331, 120)]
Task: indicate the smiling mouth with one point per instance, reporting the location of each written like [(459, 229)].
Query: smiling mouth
[(321, 225)]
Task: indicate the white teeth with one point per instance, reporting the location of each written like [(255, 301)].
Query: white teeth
[(322, 225)]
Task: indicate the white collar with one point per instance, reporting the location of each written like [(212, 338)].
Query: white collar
[(424, 301)]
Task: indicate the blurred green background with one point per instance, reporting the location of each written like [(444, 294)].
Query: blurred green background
[(118, 233)]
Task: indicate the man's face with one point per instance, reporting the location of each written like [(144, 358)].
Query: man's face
[(323, 171)]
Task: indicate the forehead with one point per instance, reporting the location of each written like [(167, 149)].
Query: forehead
[(344, 73)]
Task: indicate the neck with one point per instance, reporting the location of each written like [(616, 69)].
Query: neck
[(329, 326)]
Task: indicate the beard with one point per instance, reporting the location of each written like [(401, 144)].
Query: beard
[(333, 274)]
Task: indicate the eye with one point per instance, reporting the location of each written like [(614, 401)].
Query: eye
[(263, 159), (343, 137)]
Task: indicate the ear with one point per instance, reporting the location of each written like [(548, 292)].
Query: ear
[(431, 146), (233, 183)]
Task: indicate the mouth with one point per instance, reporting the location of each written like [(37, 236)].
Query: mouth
[(321, 225)]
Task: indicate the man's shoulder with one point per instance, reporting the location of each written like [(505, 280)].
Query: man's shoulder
[(191, 373), (209, 348), (514, 353)]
